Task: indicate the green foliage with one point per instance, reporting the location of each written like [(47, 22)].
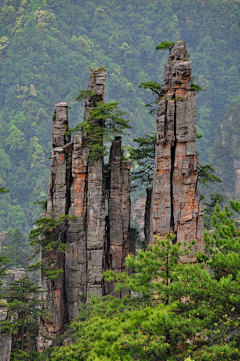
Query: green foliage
[(215, 199), (17, 249), (169, 310), (3, 262), (96, 71), (206, 175), (42, 203), (225, 153), (156, 89), (3, 190), (84, 94), (104, 122), (165, 45), (195, 87), (24, 309), (180, 98), (46, 236), (47, 232), (45, 59), (143, 159), (52, 274)]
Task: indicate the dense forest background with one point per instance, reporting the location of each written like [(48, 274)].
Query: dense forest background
[(47, 48)]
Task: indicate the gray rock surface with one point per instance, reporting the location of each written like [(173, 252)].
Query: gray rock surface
[(77, 188), (176, 206), (5, 339), (54, 295), (119, 204), (147, 219)]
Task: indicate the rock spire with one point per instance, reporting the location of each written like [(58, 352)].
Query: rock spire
[(176, 207), (96, 239)]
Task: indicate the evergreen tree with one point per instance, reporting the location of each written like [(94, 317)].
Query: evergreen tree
[(17, 248), (3, 262), (23, 304), (169, 310)]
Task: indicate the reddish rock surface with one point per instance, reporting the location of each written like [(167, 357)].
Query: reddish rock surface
[(119, 205), (176, 206), (54, 295), (77, 188)]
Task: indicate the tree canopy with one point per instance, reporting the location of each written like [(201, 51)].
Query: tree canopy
[(169, 310)]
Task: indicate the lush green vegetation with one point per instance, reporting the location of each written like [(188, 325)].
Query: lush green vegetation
[(47, 48), (169, 310), (24, 309)]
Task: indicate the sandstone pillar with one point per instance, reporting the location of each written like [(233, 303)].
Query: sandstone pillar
[(96, 225), (85, 238), (5, 338), (119, 205), (176, 207), (54, 295)]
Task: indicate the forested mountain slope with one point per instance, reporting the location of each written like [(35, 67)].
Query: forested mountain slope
[(47, 48)]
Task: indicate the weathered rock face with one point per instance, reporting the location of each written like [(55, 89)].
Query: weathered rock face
[(5, 339), (83, 267), (78, 188), (95, 221), (54, 296), (119, 204), (147, 219), (176, 206)]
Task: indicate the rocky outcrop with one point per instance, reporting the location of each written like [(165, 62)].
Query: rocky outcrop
[(86, 234), (98, 196), (176, 206), (119, 204), (78, 189), (54, 296), (5, 338)]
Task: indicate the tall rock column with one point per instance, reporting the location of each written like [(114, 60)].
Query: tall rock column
[(176, 206), (96, 225), (54, 295), (5, 338), (86, 234), (119, 204), (76, 254)]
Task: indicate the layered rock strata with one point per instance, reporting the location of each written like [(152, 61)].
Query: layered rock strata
[(54, 296), (119, 205), (78, 189), (5, 338), (176, 206)]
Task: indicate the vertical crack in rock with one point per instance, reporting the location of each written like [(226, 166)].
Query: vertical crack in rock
[(5, 338), (75, 264), (94, 242), (96, 226), (173, 153), (54, 295), (175, 202), (119, 205), (147, 220)]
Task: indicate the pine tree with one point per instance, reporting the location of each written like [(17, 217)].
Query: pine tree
[(170, 310), (23, 304)]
